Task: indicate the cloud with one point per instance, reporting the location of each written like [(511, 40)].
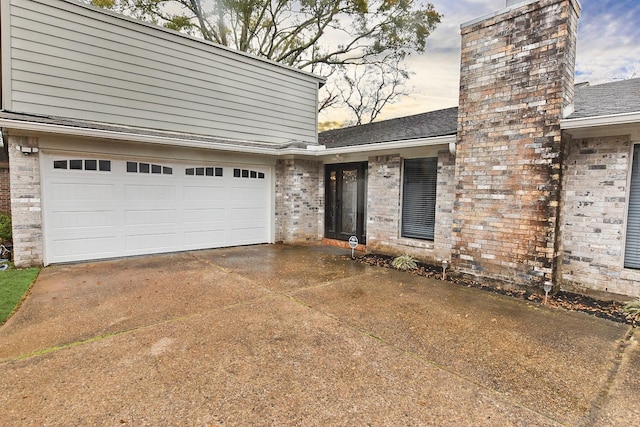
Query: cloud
[(608, 48), (608, 41)]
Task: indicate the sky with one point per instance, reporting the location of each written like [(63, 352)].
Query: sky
[(608, 49)]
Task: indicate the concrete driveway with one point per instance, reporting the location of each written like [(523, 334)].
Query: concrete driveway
[(283, 335)]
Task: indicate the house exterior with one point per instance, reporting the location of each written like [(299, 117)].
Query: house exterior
[(599, 217), (125, 139), (539, 183)]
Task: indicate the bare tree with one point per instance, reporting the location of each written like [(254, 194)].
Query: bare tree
[(372, 86)]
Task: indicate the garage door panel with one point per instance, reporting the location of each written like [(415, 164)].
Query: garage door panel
[(88, 233), (143, 243), (74, 249), (249, 214), (91, 214), (83, 219), (150, 192), (248, 194), (217, 213), (248, 235), (151, 217), (199, 239), (200, 194), (87, 191)]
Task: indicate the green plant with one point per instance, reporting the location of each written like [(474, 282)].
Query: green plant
[(5, 228), (404, 262), (632, 310)]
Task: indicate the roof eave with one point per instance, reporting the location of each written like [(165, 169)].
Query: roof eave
[(267, 149), (391, 145), (48, 128), (597, 121)]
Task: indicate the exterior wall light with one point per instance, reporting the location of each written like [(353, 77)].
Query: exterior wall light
[(26, 150)]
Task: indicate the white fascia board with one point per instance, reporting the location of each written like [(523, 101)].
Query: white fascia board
[(375, 147), (609, 120)]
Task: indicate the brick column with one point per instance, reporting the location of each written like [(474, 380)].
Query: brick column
[(5, 190), (299, 200), (444, 206), (26, 215), (383, 202), (517, 72)]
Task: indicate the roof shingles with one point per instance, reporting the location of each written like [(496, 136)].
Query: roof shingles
[(425, 125), (590, 101), (617, 97)]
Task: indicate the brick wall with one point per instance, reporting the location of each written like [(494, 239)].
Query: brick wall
[(384, 188), (383, 202), (516, 77), (299, 200), (444, 206), (594, 207), (25, 203), (5, 190)]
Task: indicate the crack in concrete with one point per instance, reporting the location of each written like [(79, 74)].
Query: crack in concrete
[(591, 417), (108, 335)]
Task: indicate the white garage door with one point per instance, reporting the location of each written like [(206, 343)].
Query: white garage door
[(98, 208)]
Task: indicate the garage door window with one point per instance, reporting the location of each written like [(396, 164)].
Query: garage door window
[(136, 167), (211, 171), (86, 164), (246, 173)]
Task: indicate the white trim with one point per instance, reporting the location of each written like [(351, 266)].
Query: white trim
[(263, 148), (133, 137), (6, 79), (607, 120), (391, 145)]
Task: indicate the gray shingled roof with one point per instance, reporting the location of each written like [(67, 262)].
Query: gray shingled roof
[(425, 125), (590, 101), (608, 98)]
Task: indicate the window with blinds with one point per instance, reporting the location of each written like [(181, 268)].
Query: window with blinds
[(419, 198), (632, 246)]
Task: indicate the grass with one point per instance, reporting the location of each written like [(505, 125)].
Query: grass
[(14, 284)]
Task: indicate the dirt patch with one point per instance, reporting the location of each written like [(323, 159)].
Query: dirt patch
[(611, 310)]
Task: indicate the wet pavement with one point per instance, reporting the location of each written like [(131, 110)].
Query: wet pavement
[(286, 335)]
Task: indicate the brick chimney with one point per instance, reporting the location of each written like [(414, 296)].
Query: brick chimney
[(516, 77)]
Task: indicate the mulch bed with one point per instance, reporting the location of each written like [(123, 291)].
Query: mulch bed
[(611, 310)]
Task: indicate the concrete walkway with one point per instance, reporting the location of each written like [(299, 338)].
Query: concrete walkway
[(282, 335)]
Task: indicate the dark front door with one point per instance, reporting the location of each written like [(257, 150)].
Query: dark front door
[(345, 193)]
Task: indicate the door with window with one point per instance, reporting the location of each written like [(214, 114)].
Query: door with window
[(345, 194)]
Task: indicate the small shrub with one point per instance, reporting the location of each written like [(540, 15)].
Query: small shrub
[(404, 262), (5, 228), (632, 310)]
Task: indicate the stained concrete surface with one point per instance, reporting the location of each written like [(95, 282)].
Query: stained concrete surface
[(286, 335)]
